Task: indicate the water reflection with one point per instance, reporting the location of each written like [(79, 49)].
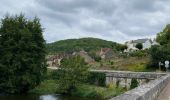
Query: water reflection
[(48, 97)]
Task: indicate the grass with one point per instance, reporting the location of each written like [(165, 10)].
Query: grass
[(136, 64), (82, 90), (86, 90), (46, 87)]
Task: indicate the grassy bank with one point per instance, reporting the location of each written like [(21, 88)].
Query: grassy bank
[(50, 86), (46, 87), (137, 64), (82, 90)]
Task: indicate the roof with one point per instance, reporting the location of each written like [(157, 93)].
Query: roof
[(104, 51), (140, 41), (85, 55)]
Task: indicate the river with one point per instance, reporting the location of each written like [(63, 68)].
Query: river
[(43, 97)]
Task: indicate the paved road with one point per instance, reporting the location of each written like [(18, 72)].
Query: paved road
[(165, 94)]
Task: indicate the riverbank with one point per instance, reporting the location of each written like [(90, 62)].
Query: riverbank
[(50, 86), (82, 90)]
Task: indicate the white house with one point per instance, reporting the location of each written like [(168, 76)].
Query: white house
[(146, 43)]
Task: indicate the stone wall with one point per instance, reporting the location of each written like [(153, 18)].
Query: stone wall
[(148, 91), (137, 75), (113, 76)]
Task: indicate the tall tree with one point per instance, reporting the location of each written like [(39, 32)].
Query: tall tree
[(162, 52), (72, 71), (22, 54)]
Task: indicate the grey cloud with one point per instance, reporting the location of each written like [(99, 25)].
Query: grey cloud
[(115, 20)]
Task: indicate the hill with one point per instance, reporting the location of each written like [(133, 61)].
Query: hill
[(87, 44)]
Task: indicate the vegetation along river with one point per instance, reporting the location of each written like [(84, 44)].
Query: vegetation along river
[(43, 97)]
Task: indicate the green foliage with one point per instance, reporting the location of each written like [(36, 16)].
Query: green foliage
[(97, 78), (139, 67), (94, 56), (142, 53), (162, 52), (121, 47), (46, 87), (139, 46), (134, 83), (117, 83), (72, 71), (90, 91), (164, 36), (111, 63), (87, 44), (159, 54), (22, 54), (98, 92)]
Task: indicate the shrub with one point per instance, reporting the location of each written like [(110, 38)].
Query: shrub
[(96, 78), (134, 83)]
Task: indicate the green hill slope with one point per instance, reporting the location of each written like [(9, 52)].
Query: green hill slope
[(87, 44)]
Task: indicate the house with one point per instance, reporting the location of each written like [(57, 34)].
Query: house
[(106, 53), (85, 55), (55, 60), (146, 43)]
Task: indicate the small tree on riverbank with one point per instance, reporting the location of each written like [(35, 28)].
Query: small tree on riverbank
[(22, 54), (72, 71), (134, 83)]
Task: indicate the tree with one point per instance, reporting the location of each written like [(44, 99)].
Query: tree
[(164, 36), (158, 53), (22, 54), (134, 83), (121, 47), (162, 52), (72, 71), (95, 56), (139, 46)]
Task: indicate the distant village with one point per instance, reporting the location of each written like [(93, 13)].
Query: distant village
[(104, 53)]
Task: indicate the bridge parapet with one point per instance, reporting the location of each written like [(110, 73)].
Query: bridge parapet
[(148, 91), (137, 75)]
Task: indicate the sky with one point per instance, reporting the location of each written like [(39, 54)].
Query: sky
[(113, 20)]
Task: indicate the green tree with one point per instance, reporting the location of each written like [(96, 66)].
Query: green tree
[(158, 53), (164, 36), (22, 54), (121, 47), (95, 56), (162, 52), (134, 83), (72, 71), (139, 46)]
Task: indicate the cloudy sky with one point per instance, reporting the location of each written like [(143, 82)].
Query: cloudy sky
[(114, 20)]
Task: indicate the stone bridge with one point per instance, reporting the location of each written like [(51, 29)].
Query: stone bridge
[(158, 88)]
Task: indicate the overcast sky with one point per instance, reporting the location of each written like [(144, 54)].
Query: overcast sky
[(114, 20)]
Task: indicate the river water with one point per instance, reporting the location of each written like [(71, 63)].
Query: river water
[(43, 97)]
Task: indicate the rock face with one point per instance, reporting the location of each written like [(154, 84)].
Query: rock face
[(148, 91)]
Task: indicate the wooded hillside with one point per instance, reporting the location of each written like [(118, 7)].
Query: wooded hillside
[(87, 44)]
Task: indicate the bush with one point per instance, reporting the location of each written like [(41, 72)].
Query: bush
[(134, 83), (96, 78), (138, 54)]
